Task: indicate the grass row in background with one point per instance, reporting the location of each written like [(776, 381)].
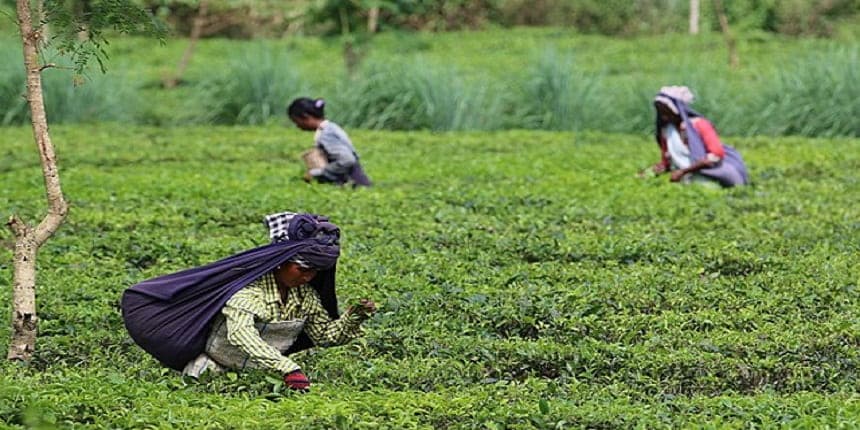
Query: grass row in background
[(68, 99), (525, 280), (527, 80)]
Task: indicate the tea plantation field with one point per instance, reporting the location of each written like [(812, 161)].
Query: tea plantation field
[(525, 280)]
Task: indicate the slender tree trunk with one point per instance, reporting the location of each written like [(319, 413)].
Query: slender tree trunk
[(731, 43), (373, 19), (40, 16), (351, 55), (29, 239), (194, 37), (351, 58), (694, 16), (24, 319), (82, 8)]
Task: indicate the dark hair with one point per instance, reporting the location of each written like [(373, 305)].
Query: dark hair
[(659, 123), (303, 106)]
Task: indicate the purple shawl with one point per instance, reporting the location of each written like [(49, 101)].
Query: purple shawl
[(730, 171), (170, 316)]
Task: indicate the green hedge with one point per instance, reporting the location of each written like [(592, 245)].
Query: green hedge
[(525, 280)]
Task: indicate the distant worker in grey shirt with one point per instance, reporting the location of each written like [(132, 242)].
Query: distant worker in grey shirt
[(343, 165)]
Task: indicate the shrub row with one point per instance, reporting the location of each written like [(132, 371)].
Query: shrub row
[(525, 280)]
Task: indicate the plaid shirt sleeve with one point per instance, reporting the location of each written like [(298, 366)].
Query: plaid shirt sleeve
[(323, 330), (240, 312)]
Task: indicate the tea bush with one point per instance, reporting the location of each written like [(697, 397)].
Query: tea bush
[(525, 280)]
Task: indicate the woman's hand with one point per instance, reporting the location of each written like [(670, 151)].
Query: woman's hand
[(365, 307), (312, 174), (652, 171), (706, 162)]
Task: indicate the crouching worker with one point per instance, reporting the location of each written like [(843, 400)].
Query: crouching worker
[(690, 149), (250, 310), (342, 162)]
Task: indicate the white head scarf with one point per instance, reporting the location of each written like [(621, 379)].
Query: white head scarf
[(680, 93)]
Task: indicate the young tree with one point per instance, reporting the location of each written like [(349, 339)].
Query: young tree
[(348, 17), (373, 18), (197, 24), (694, 16), (212, 16), (66, 26), (731, 43)]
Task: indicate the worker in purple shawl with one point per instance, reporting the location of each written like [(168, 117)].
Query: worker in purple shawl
[(228, 305), (690, 148)]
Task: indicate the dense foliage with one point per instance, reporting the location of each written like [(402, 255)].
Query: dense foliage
[(611, 17), (526, 280), (80, 29), (254, 18)]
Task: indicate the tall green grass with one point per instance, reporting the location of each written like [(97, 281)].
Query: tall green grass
[(94, 97), (817, 96), (559, 96), (417, 95), (13, 104), (254, 88), (583, 84)]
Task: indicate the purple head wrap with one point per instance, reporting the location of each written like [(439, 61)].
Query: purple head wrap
[(321, 238)]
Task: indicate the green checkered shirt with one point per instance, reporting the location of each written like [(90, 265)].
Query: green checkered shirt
[(261, 302)]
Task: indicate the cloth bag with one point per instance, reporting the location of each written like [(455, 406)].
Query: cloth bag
[(314, 158), (220, 353)]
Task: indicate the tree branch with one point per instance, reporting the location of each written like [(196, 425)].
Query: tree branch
[(731, 44), (51, 222), (18, 226)]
